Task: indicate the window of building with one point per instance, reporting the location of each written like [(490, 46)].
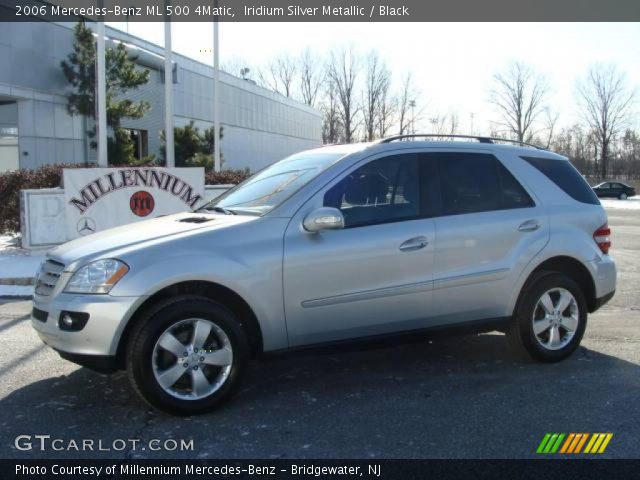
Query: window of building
[(140, 140), (9, 151)]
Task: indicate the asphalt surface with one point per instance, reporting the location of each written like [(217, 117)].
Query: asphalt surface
[(451, 397)]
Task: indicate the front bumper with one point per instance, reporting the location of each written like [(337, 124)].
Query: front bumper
[(100, 336)]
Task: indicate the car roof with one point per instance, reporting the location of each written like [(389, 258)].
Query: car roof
[(380, 146)]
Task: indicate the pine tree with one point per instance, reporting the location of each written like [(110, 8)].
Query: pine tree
[(192, 148), (121, 74)]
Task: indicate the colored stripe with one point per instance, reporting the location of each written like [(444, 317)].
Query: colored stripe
[(567, 442), (575, 442), (555, 447), (550, 443), (584, 439), (590, 444), (595, 447), (605, 443), (543, 443)]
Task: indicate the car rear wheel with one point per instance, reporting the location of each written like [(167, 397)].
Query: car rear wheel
[(550, 319), (623, 196), (187, 356)]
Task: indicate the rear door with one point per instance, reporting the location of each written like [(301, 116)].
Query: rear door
[(488, 230)]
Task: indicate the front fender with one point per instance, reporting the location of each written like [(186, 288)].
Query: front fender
[(249, 263)]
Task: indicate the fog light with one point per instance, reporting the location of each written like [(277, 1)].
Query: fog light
[(72, 321)]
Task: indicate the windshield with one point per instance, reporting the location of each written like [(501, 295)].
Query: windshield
[(268, 188)]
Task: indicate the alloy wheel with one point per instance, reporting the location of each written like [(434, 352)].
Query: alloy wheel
[(555, 318), (192, 359)]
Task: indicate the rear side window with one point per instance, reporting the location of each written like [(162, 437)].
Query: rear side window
[(565, 176), (475, 182), (513, 194)]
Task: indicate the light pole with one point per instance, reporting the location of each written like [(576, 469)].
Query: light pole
[(168, 95), (216, 92), (101, 85)]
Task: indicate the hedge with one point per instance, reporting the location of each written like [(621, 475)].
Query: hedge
[(50, 176)]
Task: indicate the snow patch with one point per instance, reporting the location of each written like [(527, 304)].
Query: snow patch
[(631, 203)]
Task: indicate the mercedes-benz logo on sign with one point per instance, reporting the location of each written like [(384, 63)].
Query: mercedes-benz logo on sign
[(86, 226)]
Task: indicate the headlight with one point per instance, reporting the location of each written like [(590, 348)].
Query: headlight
[(97, 277)]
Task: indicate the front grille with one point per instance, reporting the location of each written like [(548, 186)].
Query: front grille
[(39, 314), (48, 277)]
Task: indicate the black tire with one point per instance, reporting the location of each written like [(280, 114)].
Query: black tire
[(154, 323), (623, 196), (520, 333)]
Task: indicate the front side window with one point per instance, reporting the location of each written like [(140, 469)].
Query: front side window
[(382, 191)]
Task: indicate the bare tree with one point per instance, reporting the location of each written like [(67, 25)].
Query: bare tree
[(311, 76), (519, 95), (377, 83), (237, 66), (406, 99), (606, 104), (331, 126), (386, 113), (279, 75), (551, 119), (446, 124), (342, 72)]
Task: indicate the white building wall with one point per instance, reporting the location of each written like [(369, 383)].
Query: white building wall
[(259, 126)]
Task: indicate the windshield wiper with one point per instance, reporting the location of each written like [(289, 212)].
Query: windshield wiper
[(226, 211)]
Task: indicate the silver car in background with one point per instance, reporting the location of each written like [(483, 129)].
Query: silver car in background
[(338, 243)]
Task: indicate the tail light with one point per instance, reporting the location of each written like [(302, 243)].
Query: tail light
[(602, 236)]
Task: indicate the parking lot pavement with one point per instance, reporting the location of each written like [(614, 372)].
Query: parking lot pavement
[(451, 397)]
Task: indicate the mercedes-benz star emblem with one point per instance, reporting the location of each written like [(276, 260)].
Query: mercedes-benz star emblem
[(86, 226)]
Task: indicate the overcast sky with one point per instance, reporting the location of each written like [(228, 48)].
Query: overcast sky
[(452, 63)]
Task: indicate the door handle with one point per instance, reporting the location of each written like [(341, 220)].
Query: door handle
[(529, 226), (415, 243)]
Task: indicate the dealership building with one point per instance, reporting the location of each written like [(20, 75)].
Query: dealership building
[(259, 126)]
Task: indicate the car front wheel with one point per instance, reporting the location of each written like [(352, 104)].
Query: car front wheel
[(550, 319), (187, 355)]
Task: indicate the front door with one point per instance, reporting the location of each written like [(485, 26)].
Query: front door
[(375, 275)]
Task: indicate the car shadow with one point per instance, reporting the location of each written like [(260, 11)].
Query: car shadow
[(471, 386)]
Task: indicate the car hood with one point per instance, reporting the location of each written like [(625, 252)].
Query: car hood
[(101, 244)]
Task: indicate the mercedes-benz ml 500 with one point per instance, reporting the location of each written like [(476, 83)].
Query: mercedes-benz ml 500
[(337, 243)]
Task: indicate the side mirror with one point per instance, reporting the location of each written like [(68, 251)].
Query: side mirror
[(324, 218)]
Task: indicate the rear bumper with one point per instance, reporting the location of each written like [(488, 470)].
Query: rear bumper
[(603, 272), (602, 300)]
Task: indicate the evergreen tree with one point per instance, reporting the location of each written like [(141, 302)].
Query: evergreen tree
[(121, 74), (192, 148)]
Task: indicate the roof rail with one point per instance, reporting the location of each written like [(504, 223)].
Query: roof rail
[(480, 139)]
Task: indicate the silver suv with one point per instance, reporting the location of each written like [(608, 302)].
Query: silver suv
[(337, 243)]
